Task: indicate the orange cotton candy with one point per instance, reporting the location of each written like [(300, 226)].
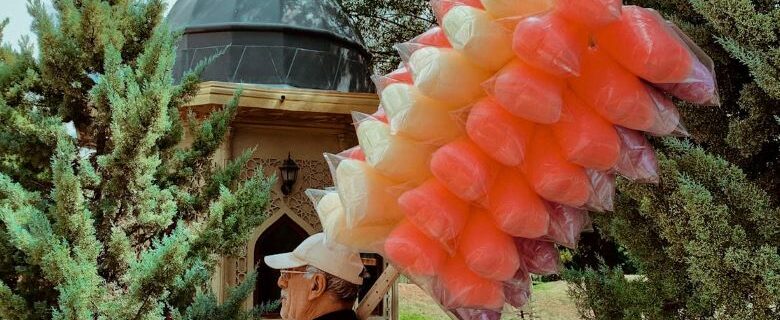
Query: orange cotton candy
[(464, 169), (642, 42), (488, 251), (590, 13), (551, 175), (462, 288), (584, 137), (549, 43), (527, 92), (515, 207), (435, 211), (499, 134), (412, 252), (614, 92)]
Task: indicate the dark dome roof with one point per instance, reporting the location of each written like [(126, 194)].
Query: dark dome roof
[(297, 43)]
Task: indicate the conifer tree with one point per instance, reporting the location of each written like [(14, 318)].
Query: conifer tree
[(124, 221)]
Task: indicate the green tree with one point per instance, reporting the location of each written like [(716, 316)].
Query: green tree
[(706, 237), (126, 221)]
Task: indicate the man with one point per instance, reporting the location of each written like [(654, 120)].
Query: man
[(319, 281)]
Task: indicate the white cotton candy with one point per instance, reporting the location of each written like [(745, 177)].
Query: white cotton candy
[(474, 33)]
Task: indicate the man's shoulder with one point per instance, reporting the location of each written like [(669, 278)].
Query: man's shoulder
[(347, 314)]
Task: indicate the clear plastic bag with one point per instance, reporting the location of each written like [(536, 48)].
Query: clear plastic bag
[(637, 158), (528, 93), (464, 169), (566, 225), (552, 176), (515, 207), (473, 32), (436, 212), (592, 14), (585, 137), (412, 114), (551, 44), (333, 218), (538, 256), (516, 9), (395, 156), (444, 74), (499, 134), (368, 197), (621, 97)]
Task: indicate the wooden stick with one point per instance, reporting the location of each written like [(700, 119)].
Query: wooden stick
[(377, 292)]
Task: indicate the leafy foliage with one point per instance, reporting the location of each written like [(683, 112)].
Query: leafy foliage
[(126, 220)]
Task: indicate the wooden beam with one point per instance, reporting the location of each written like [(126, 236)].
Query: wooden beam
[(377, 292)]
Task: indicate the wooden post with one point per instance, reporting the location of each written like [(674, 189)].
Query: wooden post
[(377, 292)]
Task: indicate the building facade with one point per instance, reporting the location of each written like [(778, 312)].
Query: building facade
[(304, 69)]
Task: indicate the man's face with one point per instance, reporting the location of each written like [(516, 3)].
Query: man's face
[(295, 292)]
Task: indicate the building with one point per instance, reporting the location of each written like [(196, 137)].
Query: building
[(304, 69)]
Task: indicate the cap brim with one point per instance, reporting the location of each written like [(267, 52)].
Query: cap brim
[(284, 261)]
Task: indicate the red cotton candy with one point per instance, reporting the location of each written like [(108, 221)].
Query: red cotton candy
[(435, 211), (566, 225), (550, 43), (642, 42), (590, 13), (614, 92), (539, 257), (517, 290), (433, 37), (488, 251), (584, 137), (516, 209), (499, 134), (527, 92), (637, 157), (699, 89), (412, 252), (462, 288), (464, 169), (551, 175)]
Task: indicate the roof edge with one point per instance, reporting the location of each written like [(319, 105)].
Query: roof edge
[(237, 26)]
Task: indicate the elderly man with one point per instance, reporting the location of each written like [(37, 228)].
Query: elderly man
[(319, 281)]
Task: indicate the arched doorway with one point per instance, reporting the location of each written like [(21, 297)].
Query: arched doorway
[(283, 236)]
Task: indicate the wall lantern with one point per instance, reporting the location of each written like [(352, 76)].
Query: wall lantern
[(289, 170)]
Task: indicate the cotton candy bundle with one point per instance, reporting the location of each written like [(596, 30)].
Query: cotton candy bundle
[(503, 127)]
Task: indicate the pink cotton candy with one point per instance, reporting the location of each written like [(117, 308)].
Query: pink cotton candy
[(499, 134), (516, 209), (464, 169), (585, 137), (643, 43), (539, 257), (527, 92), (435, 211), (699, 89), (566, 224), (462, 288), (517, 291), (488, 251), (637, 158), (550, 43), (551, 175), (590, 13), (614, 92), (411, 251)]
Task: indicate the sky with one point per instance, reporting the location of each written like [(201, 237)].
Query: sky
[(20, 22)]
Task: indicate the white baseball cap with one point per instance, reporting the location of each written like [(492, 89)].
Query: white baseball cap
[(332, 258)]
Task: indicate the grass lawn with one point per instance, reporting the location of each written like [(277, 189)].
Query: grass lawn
[(548, 302)]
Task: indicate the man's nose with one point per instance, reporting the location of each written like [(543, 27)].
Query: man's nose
[(281, 283)]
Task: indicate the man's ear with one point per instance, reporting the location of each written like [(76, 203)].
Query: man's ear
[(318, 285)]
